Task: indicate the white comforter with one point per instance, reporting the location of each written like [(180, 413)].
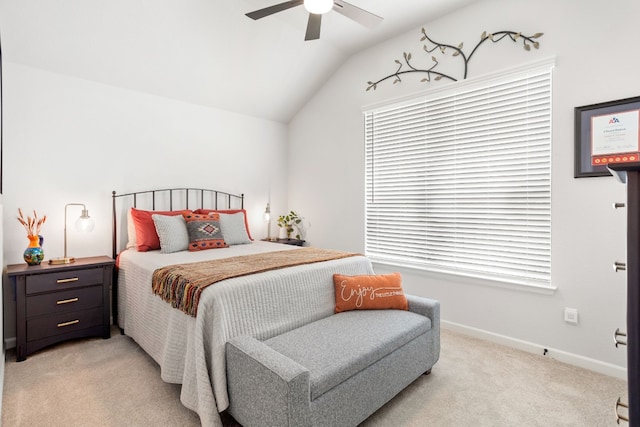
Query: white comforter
[(190, 350)]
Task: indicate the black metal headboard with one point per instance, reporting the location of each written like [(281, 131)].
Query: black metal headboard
[(170, 199)]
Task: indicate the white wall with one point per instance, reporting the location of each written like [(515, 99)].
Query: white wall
[(68, 140), (593, 43)]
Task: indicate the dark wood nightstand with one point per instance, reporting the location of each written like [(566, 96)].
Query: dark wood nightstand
[(55, 303), (295, 242)]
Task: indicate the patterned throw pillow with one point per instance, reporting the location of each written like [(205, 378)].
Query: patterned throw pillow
[(369, 292), (204, 232), (230, 212)]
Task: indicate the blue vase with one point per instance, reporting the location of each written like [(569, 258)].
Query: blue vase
[(34, 254)]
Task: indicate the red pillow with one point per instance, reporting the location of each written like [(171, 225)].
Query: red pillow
[(226, 211), (369, 292), (146, 235)]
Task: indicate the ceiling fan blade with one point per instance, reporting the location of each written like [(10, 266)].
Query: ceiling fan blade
[(361, 16), (313, 27), (257, 14)]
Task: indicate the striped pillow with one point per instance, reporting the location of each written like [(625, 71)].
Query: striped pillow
[(234, 228), (172, 232)]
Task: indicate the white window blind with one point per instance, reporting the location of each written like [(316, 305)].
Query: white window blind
[(460, 183)]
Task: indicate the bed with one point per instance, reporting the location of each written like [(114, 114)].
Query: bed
[(190, 348)]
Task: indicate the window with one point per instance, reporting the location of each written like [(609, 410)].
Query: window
[(459, 181)]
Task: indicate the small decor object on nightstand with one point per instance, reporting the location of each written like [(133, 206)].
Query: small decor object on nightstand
[(289, 223), (34, 254)]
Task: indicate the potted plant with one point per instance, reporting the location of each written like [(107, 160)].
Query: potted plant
[(290, 223)]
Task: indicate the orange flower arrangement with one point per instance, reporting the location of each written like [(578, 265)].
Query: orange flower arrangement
[(32, 225)]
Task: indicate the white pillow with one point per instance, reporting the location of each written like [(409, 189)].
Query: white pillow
[(172, 232), (131, 231), (233, 228)]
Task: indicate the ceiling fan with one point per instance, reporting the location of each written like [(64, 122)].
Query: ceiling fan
[(316, 9)]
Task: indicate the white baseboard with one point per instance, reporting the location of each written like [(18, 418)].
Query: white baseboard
[(560, 355)]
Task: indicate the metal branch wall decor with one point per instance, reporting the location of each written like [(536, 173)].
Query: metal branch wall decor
[(431, 72)]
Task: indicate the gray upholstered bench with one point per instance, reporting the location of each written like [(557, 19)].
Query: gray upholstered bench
[(335, 371)]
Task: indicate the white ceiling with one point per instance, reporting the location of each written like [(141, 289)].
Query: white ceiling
[(200, 51)]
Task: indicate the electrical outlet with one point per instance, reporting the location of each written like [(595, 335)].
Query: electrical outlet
[(571, 315)]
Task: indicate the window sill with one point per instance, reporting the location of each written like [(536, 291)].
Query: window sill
[(463, 279)]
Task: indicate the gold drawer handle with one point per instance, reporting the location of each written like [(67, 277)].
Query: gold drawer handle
[(619, 266), (619, 417), (67, 301), (617, 334), (72, 279), (73, 322)]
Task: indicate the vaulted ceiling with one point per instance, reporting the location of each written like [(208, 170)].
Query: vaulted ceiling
[(200, 51)]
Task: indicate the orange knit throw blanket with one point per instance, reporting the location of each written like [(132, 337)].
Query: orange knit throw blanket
[(182, 284)]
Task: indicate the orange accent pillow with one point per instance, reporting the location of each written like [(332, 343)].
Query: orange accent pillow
[(226, 211), (146, 235), (369, 292)]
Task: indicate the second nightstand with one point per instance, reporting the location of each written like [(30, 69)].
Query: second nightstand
[(295, 242), (55, 303)]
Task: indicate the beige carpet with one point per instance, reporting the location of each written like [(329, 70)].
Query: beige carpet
[(97, 382)]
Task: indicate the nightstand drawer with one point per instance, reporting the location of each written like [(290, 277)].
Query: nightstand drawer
[(62, 323), (59, 302), (63, 280)]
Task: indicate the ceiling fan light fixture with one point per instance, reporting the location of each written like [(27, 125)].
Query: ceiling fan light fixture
[(318, 7)]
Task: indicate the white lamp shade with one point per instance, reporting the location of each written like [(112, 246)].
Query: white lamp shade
[(318, 7), (85, 224), (267, 213)]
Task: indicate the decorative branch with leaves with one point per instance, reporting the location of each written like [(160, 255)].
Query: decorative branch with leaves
[(432, 73)]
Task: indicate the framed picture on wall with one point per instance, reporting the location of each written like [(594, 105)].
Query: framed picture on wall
[(608, 132)]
